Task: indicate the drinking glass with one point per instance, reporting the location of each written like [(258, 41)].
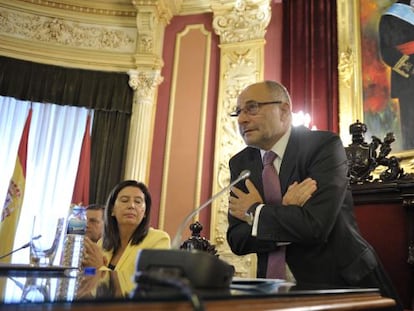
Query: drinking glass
[(44, 242)]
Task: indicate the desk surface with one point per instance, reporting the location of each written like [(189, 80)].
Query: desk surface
[(60, 290)]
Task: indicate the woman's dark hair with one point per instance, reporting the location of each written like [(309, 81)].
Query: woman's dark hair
[(111, 239)]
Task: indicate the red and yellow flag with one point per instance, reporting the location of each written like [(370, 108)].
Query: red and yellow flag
[(12, 206)]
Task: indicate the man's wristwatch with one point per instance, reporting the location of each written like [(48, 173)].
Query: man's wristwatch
[(250, 213)]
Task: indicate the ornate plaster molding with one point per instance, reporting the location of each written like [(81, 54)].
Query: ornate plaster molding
[(241, 67), (119, 8), (241, 29), (239, 21), (164, 10), (346, 67), (195, 7), (349, 67), (152, 18), (57, 31), (144, 83), (150, 25)]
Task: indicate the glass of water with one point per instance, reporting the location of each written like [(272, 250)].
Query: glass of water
[(44, 241)]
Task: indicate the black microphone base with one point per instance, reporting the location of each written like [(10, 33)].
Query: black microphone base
[(201, 269)]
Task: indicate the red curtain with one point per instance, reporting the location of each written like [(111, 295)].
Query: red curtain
[(309, 60), (81, 189)]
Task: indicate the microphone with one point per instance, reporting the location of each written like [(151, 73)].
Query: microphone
[(176, 242), (21, 247), (201, 269)]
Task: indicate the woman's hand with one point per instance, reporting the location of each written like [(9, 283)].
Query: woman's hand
[(92, 255)]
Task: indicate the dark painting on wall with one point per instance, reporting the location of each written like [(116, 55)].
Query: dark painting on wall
[(387, 85)]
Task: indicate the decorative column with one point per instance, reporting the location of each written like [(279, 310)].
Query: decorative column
[(241, 26), (152, 17), (349, 66), (144, 84)]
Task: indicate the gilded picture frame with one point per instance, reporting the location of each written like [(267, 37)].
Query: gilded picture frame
[(350, 82)]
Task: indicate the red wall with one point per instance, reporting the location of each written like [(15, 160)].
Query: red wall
[(176, 26)]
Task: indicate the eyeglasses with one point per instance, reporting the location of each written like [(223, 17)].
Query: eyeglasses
[(252, 107)]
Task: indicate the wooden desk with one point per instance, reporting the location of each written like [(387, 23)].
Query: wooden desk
[(271, 296), (329, 302)]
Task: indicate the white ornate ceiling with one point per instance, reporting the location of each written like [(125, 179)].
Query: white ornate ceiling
[(100, 34)]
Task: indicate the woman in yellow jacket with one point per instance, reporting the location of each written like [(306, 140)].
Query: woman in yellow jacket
[(126, 230)]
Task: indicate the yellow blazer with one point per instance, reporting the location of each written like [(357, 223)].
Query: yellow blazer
[(127, 263), (124, 277)]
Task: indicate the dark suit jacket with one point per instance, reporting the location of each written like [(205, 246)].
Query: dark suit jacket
[(326, 246)]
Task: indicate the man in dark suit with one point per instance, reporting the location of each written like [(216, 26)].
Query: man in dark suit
[(396, 43), (315, 218)]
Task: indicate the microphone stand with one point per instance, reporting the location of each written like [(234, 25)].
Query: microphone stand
[(200, 269), (21, 247), (175, 244)]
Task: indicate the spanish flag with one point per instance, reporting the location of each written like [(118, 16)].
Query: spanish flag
[(14, 199)]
